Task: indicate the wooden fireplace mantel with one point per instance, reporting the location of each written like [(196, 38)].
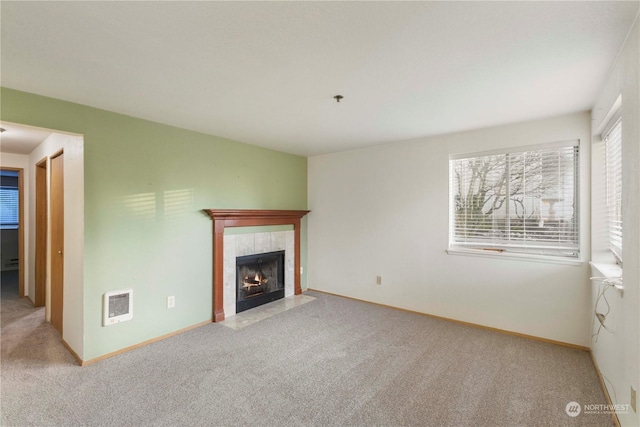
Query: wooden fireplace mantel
[(248, 218)]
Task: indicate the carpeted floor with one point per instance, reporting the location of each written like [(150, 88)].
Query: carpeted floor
[(332, 361)]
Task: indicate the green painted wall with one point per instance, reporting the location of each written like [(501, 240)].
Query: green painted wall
[(145, 186)]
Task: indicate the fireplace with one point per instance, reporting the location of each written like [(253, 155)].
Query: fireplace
[(223, 218), (260, 279)]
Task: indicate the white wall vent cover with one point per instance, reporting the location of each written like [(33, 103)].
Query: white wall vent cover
[(117, 306)]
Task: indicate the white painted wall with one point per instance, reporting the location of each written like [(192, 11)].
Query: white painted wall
[(383, 211), (21, 161), (618, 354), (73, 147)]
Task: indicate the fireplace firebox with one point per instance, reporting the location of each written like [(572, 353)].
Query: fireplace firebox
[(260, 279)]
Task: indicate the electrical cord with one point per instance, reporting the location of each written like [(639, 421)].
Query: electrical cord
[(607, 282), (613, 389)]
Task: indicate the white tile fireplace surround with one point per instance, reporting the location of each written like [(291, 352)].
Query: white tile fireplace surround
[(236, 245), (227, 218)]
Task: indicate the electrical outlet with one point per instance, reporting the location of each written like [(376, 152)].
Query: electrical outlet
[(378, 280), (301, 270), (171, 302), (633, 399)]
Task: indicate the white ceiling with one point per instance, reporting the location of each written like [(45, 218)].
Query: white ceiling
[(20, 139), (265, 73)]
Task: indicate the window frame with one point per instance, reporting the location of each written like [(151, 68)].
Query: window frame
[(521, 247), (614, 189)]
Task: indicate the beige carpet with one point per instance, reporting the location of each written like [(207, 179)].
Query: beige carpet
[(329, 362)]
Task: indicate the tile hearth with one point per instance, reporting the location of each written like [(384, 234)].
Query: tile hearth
[(249, 317)]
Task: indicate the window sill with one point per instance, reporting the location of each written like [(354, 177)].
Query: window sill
[(606, 269), (609, 274), (515, 256)]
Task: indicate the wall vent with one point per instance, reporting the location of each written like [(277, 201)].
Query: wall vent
[(117, 306)]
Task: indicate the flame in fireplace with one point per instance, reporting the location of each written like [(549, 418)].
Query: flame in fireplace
[(258, 280)]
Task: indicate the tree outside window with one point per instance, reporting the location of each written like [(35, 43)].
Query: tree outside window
[(522, 201)]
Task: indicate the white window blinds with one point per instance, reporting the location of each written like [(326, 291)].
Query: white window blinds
[(517, 200), (613, 172), (9, 207)]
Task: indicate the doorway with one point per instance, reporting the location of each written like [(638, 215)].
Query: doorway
[(41, 234), (57, 239), (60, 219), (12, 230)]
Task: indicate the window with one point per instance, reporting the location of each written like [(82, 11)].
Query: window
[(522, 200), (8, 207), (613, 173)]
